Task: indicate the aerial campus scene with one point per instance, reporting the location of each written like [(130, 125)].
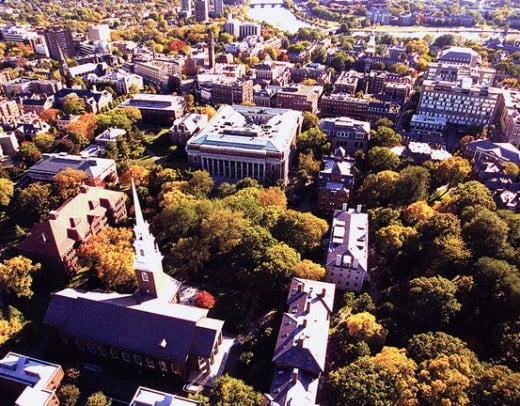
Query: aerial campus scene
[(259, 202)]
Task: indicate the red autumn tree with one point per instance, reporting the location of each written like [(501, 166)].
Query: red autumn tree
[(204, 299)]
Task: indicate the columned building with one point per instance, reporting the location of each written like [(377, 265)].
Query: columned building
[(242, 141)]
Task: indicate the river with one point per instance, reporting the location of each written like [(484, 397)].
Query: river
[(282, 18), (276, 15)]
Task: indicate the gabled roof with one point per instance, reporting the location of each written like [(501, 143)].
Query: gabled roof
[(348, 245), (154, 328), (70, 223), (303, 335), (293, 387)]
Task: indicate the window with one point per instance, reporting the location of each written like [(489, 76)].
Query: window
[(138, 360), (150, 363), (162, 366), (145, 277), (126, 356), (114, 353), (80, 345)]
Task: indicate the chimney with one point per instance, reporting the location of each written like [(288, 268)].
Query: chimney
[(300, 287), (308, 307), (53, 215), (358, 208), (294, 376), (323, 292), (304, 323), (301, 340), (344, 207)]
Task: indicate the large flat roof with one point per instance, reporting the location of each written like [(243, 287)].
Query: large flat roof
[(250, 128)]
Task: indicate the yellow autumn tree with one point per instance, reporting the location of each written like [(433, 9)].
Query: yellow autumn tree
[(67, 183), (110, 255), (417, 211), (309, 270), (11, 322), (15, 276)]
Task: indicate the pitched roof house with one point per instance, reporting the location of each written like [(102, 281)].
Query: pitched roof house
[(147, 328), (347, 255), (301, 346)]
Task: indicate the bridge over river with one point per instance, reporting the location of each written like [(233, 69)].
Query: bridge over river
[(265, 3)]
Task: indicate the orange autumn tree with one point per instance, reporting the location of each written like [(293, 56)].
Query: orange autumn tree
[(204, 299), (84, 127)]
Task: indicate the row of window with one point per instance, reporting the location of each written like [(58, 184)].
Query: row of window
[(138, 359)]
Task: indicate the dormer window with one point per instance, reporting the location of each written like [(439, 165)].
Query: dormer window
[(145, 277)]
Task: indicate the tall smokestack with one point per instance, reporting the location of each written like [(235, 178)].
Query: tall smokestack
[(211, 49)]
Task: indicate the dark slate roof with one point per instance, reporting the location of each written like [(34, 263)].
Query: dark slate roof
[(162, 330)]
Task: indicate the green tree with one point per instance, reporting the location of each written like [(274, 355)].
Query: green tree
[(15, 276), (413, 184), (277, 266), (442, 249), (399, 68), (319, 55), (28, 154), (229, 391), (486, 233), (497, 385), (390, 239), (44, 141), (310, 120), (497, 291), (431, 345), (200, 184), (379, 189), (386, 379), (302, 231), (382, 159), (33, 203), (384, 136), (179, 216), (313, 140), (434, 298), (473, 193), (72, 104)]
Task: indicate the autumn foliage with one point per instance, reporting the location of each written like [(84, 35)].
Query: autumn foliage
[(204, 299), (84, 127), (110, 255)]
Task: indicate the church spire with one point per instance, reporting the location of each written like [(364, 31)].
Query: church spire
[(148, 259), (139, 219)]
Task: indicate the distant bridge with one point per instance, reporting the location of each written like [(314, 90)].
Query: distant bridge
[(265, 3)]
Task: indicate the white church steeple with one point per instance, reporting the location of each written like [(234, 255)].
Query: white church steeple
[(148, 259)]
